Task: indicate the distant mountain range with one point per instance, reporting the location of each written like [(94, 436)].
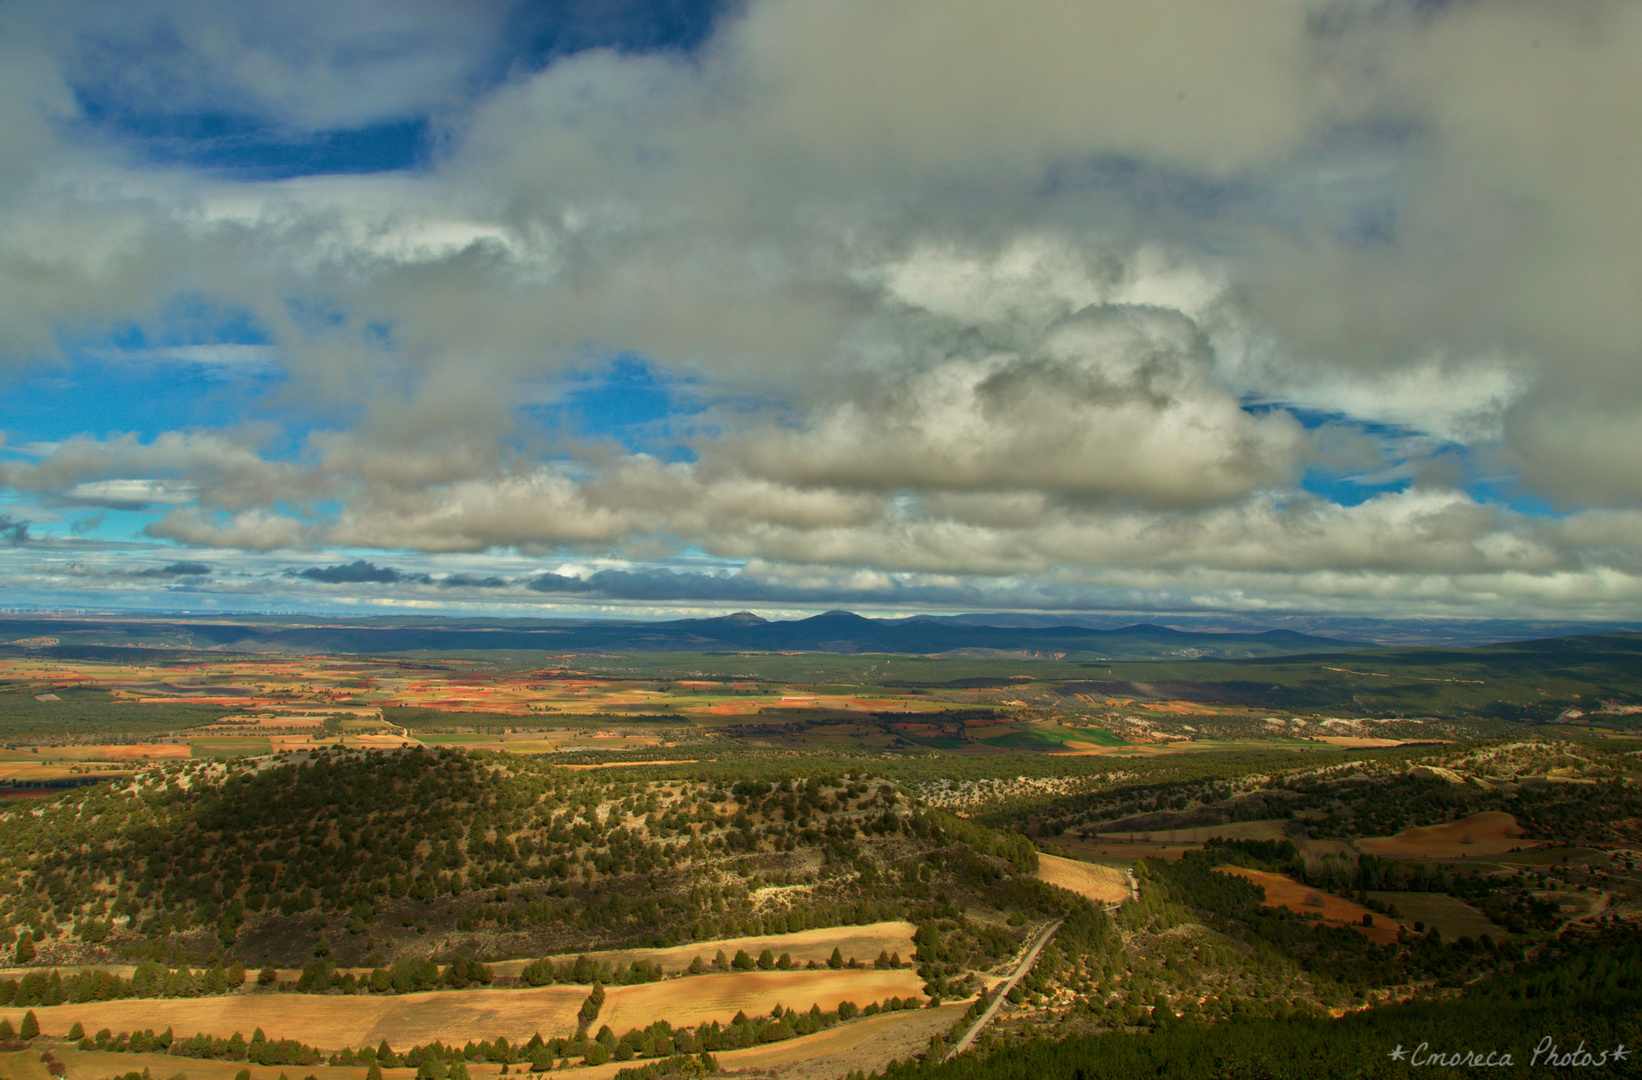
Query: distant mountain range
[(832, 632)]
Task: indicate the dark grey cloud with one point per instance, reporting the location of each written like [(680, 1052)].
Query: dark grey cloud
[(472, 581), (561, 583), (359, 572), (14, 533), (177, 569)]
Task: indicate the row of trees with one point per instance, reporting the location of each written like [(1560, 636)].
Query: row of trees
[(148, 979)]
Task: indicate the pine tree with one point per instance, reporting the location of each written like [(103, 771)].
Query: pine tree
[(31, 1026)]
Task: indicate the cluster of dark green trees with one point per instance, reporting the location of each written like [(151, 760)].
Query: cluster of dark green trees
[(679, 1065), (407, 976), (149, 979), (584, 970), (258, 1050)]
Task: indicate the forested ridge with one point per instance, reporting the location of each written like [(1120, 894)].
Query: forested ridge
[(362, 857), (1366, 793)]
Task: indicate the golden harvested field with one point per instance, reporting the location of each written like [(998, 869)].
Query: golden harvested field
[(698, 999), (867, 1044), (88, 1064), (332, 1023), (1489, 833), (23, 1065), (1102, 884), (143, 751), (79, 754), (61, 757), (861, 942), (91, 1064), (1283, 891), (36, 770)]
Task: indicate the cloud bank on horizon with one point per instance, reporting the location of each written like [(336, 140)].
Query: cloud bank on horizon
[(1325, 307)]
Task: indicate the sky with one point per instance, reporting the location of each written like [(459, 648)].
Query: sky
[(1326, 309)]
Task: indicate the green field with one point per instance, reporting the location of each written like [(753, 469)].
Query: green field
[(1453, 918), (1098, 736), (1039, 738)]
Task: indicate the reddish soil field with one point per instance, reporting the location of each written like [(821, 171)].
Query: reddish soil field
[(1285, 892), (1489, 833), (144, 750)]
